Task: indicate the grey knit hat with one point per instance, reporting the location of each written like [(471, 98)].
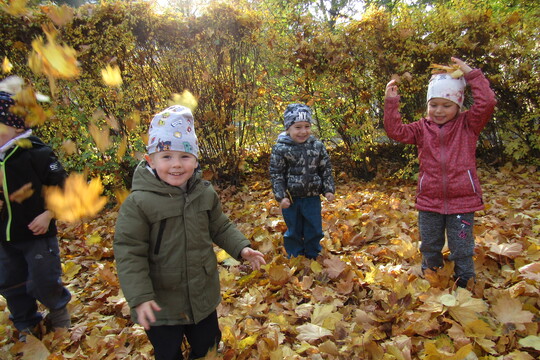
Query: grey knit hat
[(173, 130), (295, 113)]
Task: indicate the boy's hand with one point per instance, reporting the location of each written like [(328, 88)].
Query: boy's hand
[(462, 65), (391, 89), (145, 313), (329, 196), (40, 224), (285, 203), (256, 258)]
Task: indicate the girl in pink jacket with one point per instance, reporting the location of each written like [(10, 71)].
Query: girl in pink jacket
[(448, 190)]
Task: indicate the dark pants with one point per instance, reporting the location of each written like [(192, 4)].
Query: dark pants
[(202, 337), (304, 227), (458, 229), (30, 271)]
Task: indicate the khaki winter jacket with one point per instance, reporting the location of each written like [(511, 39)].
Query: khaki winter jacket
[(164, 247)]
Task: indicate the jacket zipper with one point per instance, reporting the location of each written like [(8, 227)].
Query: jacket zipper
[(6, 194), (160, 236), (443, 168), (471, 180)]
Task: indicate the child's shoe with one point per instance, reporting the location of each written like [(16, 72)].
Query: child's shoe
[(59, 319), (34, 331)]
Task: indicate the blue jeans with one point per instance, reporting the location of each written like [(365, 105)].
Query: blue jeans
[(304, 227), (30, 271)]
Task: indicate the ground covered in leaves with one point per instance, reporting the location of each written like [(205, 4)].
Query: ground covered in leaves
[(364, 298)]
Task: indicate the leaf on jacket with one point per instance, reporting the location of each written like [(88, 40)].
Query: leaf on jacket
[(23, 193)]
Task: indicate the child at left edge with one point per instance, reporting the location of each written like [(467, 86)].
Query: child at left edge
[(164, 239), (30, 266)]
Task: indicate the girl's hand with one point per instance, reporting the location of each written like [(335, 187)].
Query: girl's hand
[(462, 65), (329, 196), (145, 313), (256, 258), (391, 89), (285, 203), (40, 224)]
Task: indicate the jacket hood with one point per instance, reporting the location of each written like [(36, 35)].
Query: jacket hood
[(144, 178)]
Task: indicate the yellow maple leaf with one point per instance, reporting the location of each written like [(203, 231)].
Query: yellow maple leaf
[(453, 70), (77, 199), (15, 7), (185, 99), (467, 308), (6, 65), (510, 310), (70, 269), (111, 76), (247, 342), (52, 59)]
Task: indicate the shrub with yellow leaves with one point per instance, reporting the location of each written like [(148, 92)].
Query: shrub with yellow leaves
[(77, 199)]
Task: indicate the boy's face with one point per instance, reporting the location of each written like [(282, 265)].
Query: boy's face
[(441, 111), (7, 133), (173, 167), (299, 131)]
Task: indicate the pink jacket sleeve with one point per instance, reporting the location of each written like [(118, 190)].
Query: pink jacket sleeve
[(484, 101), (394, 126)]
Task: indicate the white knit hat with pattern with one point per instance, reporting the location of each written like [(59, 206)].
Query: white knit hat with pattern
[(173, 129), (446, 87)]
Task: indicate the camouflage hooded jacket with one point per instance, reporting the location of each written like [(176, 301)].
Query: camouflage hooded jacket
[(301, 169)]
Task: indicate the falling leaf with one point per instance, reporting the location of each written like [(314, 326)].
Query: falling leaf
[(15, 7), (23, 193), (185, 99), (52, 59), (111, 76), (60, 15), (69, 147), (121, 195), (27, 107), (311, 332), (6, 66), (77, 199), (101, 136)]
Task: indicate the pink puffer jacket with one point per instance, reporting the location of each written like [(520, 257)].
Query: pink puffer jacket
[(447, 182)]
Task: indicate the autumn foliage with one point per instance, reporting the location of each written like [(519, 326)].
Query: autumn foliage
[(364, 298)]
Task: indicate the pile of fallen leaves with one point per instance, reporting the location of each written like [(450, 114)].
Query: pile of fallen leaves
[(364, 298)]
